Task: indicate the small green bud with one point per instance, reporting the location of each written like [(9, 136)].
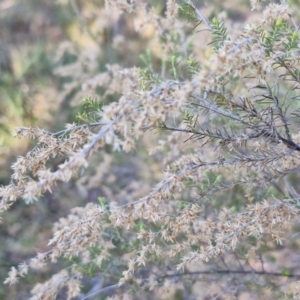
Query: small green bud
[(295, 35), (279, 22)]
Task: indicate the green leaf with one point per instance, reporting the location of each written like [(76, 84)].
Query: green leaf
[(286, 272)]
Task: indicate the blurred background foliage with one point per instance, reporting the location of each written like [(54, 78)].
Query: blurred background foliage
[(37, 39)]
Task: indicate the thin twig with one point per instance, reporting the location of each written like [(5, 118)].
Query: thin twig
[(222, 272), (200, 16)]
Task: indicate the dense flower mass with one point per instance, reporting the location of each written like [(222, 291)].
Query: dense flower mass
[(219, 118)]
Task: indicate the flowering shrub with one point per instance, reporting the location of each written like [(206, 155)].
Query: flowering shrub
[(219, 117)]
